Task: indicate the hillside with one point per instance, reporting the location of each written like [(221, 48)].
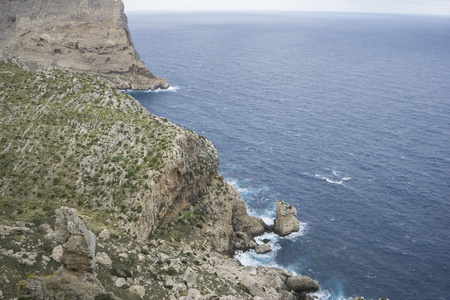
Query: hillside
[(166, 221)]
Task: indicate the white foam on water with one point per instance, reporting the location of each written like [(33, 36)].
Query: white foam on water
[(158, 90), (169, 89), (326, 295), (269, 220), (295, 235), (334, 178), (251, 258)]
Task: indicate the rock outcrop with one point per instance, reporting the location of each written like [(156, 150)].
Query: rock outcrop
[(286, 221), (302, 284), (90, 36), (167, 221), (76, 278)]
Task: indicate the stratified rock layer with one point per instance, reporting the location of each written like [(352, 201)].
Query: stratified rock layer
[(75, 279), (77, 241), (90, 36)]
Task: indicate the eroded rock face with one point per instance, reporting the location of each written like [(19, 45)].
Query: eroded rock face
[(75, 279), (286, 221), (89, 36), (77, 241)]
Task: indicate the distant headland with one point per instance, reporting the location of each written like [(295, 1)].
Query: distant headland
[(84, 36)]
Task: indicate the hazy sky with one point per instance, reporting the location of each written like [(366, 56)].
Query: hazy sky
[(386, 6)]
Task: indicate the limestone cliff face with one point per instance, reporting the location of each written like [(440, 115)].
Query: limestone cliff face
[(90, 36), (150, 187), (67, 138)]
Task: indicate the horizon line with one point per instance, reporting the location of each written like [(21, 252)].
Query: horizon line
[(268, 11)]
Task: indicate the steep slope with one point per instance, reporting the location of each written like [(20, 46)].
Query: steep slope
[(70, 139), (90, 36)]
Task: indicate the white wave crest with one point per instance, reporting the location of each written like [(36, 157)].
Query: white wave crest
[(339, 181), (326, 295)]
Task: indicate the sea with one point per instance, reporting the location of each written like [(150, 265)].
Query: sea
[(345, 116)]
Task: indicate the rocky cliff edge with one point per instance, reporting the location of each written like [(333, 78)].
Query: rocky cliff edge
[(150, 189), (89, 36)]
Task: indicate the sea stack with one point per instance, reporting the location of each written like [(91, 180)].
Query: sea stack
[(286, 221), (84, 36)]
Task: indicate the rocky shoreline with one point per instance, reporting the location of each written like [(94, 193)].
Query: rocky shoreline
[(76, 278), (140, 211), (181, 218)]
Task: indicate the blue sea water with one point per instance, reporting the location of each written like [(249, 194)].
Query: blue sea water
[(345, 116)]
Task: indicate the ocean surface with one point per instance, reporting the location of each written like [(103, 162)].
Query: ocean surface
[(344, 116)]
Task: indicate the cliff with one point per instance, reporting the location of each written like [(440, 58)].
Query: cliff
[(166, 220), (89, 36)]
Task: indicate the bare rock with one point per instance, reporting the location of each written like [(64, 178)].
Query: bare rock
[(49, 233), (120, 282), (138, 290), (261, 249), (7, 230), (79, 35), (105, 234), (103, 258), (302, 284), (286, 221), (190, 277), (242, 222), (57, 253), (78, 242), (252, 284), (75, 279)]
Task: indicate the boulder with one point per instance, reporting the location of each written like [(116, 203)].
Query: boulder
[(138, 290), (120, 282), (302, 284), (103, 258), (261, 249), (57, 253), (77, 241), (286, 221), (75, 279), (190, 277), (251, 284), (105, 234)]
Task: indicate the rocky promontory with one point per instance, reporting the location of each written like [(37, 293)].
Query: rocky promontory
[(167, 222), (89, 36)]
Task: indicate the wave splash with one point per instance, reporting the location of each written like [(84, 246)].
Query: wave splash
[(169, 89), (251, 258), (158, 90), (334, 178)]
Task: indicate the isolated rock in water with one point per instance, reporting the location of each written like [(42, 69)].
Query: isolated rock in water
[(78, 242), (85, 36), (261, 249), (302, 284), (286, 221)]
